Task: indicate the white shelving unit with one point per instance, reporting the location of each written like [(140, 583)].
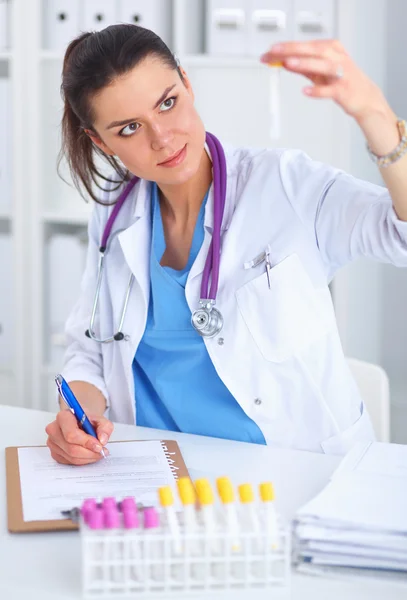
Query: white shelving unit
[(14, 383), (7, 362), (232, 98)]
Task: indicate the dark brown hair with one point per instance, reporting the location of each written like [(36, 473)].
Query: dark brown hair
[(93, 61)]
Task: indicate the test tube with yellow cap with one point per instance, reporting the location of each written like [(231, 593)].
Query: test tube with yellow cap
[(248, 508), (167, 502), (274, 99), (187, 495), (227, 496), (206, 500), (270, 514)]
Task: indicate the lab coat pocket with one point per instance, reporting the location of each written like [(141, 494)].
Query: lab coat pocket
[(360, 431), (284, 312)]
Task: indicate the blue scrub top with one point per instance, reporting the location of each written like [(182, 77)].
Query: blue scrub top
[(177, 386)]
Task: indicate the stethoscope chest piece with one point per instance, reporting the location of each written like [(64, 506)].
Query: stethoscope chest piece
[(207, 320)]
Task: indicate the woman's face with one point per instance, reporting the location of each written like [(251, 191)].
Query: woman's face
[(146, 117)]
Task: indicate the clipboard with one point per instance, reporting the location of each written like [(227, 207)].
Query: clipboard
[(15, 517)]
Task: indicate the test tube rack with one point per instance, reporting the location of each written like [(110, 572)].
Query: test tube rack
[(121, 562)]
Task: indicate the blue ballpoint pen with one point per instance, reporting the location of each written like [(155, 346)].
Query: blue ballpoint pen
[(69, 398)]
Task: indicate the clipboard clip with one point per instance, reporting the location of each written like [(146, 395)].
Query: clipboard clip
[(74, 514)]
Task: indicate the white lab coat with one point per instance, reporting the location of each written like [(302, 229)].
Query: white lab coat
[(279, 351)]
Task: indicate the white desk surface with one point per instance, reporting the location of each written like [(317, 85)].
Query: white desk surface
[(46, 566)]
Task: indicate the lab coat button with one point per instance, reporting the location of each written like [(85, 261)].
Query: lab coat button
[(257, 401), (221, 341)]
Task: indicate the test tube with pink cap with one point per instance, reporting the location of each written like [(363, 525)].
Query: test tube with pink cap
[(131, 540), (88, 505), (111, 520), (153, 548), (95, 545)]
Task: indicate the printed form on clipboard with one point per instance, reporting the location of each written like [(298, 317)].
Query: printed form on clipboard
[(39, 488)]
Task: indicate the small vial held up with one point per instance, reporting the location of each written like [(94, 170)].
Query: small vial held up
[(274, 100)]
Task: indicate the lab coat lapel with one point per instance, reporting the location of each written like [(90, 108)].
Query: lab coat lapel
[(135, 242), (193, 287)]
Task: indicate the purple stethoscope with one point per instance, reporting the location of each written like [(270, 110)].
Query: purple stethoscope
[(206, 320)]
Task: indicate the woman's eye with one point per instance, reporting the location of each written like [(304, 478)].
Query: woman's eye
[(129, 129), (168, 104)]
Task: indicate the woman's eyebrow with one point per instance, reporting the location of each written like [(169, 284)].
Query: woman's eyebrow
[(132, 119)]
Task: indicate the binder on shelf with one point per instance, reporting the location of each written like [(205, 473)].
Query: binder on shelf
[(4, 25), (98, 14), (61, 23), (5, 143), (6, 302), (314, 19), (269, 23), (152, 14), (65, 266), (226, 27)]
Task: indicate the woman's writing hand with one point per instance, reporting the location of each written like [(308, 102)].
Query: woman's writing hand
[(70, 445)]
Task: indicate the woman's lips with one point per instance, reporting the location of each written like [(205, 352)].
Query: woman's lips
[(176, 160)]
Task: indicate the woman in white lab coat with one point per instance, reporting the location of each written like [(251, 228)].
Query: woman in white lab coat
[(275, 372)]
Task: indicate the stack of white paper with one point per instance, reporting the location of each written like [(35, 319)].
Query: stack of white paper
[(359, 521)]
